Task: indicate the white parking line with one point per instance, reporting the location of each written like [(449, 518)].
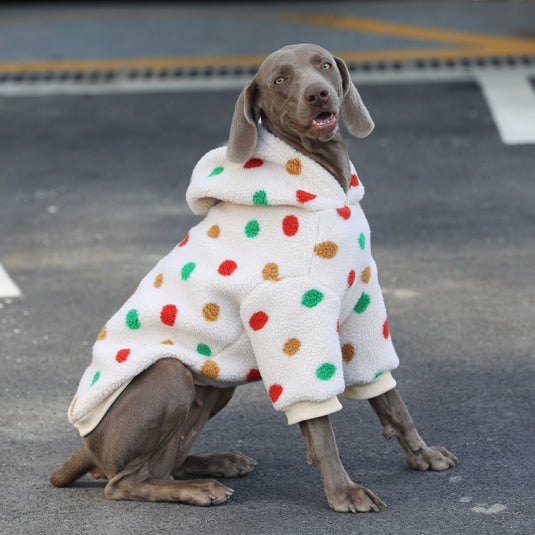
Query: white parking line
[(511, 99), (7, 287)]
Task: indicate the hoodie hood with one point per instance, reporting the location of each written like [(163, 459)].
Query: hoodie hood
[(275, 175)]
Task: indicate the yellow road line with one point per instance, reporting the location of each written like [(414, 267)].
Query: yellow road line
[(470, 45)]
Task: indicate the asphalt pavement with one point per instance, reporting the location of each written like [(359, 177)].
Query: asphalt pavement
[(92, 195)]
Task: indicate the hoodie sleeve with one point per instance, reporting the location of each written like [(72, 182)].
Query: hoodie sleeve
[(292, 325)]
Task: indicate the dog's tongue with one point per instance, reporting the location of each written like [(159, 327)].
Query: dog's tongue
[(324, 118)]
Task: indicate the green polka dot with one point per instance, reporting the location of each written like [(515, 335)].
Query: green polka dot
[(217, 171), (362, 241), (187, 270), (378, 374), (326, 371), (362, 303), (132, 320), (205, 350), (260, 197), (252, 228), (96, 377), (312, 298)]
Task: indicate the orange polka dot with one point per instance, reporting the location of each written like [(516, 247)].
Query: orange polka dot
[(72, 406), (168, 342), (210, 312), (210, 369), (294, 166), (366, 275), (158, 281), (214, 231), (327, 249), (102, 334), (271, 272), (348, 352), (292, 346)]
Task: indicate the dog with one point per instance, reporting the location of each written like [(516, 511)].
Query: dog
[(277, 284)]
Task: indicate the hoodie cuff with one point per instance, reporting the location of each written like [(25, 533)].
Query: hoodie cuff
[(306, 410), (382, 384)]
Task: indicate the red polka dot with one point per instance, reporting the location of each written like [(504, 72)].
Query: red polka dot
[(184, 241), (227, 268), (122, 355), (386, 330), (258, 320), (351, 278), (275, 392), (253, 375), (354, 181), (304, 196), (290, 225), (338, 326), (168, 315), (253, 162), (345, 212)]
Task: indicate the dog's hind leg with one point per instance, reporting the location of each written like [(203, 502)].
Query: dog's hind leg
[(342, 494), (136, 443), (208, 402), (397, 422)]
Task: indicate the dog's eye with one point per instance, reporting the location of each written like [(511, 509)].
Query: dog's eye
[(280, 80), (326, 66)]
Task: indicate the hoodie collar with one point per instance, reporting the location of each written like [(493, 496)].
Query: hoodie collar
[(275, 175)]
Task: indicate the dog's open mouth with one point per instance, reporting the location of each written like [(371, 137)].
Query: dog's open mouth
[(324, 118)]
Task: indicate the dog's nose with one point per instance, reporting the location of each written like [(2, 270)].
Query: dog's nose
[(317, 94)]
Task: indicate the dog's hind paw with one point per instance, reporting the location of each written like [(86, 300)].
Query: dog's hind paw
[(231, 464)]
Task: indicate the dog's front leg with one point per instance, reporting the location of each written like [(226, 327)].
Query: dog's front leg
[(343, 495), (397, 422)]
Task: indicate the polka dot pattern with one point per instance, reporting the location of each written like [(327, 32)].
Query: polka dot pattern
[(122, 355), (227, 268), (291, 347), (271, 272), (260, 198), (132, 320), (252, 163), (258, 320), (168, 315), (290, 225), (296, 274), (252, 229), (210, 312), (294, 166), (326, 249), (312, 298), (187, 270), (213, 232), (304, 196), (210, 369), (348, 352)]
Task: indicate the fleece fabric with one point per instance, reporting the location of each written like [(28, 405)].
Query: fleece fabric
[(277, 283)]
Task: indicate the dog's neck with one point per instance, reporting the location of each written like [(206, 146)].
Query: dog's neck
[(331, 155)]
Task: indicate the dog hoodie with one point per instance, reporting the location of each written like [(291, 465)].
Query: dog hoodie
[(276, 283)]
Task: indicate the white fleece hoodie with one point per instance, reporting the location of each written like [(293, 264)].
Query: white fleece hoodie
[(276, 283)]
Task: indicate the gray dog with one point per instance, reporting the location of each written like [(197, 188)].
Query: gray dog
[(277, 284)]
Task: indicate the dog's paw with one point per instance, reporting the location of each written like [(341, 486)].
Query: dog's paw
[(231, 464), (205, 492), (355, 499), (431, 458)]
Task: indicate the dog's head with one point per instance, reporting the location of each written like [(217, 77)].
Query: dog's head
[(301, 91)]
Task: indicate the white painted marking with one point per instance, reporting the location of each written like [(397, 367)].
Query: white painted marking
[(511, 99), (492, 510), (7, 287), (400, 293)]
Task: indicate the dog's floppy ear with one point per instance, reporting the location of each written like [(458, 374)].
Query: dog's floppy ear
[(243, 129), (354, 113)]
